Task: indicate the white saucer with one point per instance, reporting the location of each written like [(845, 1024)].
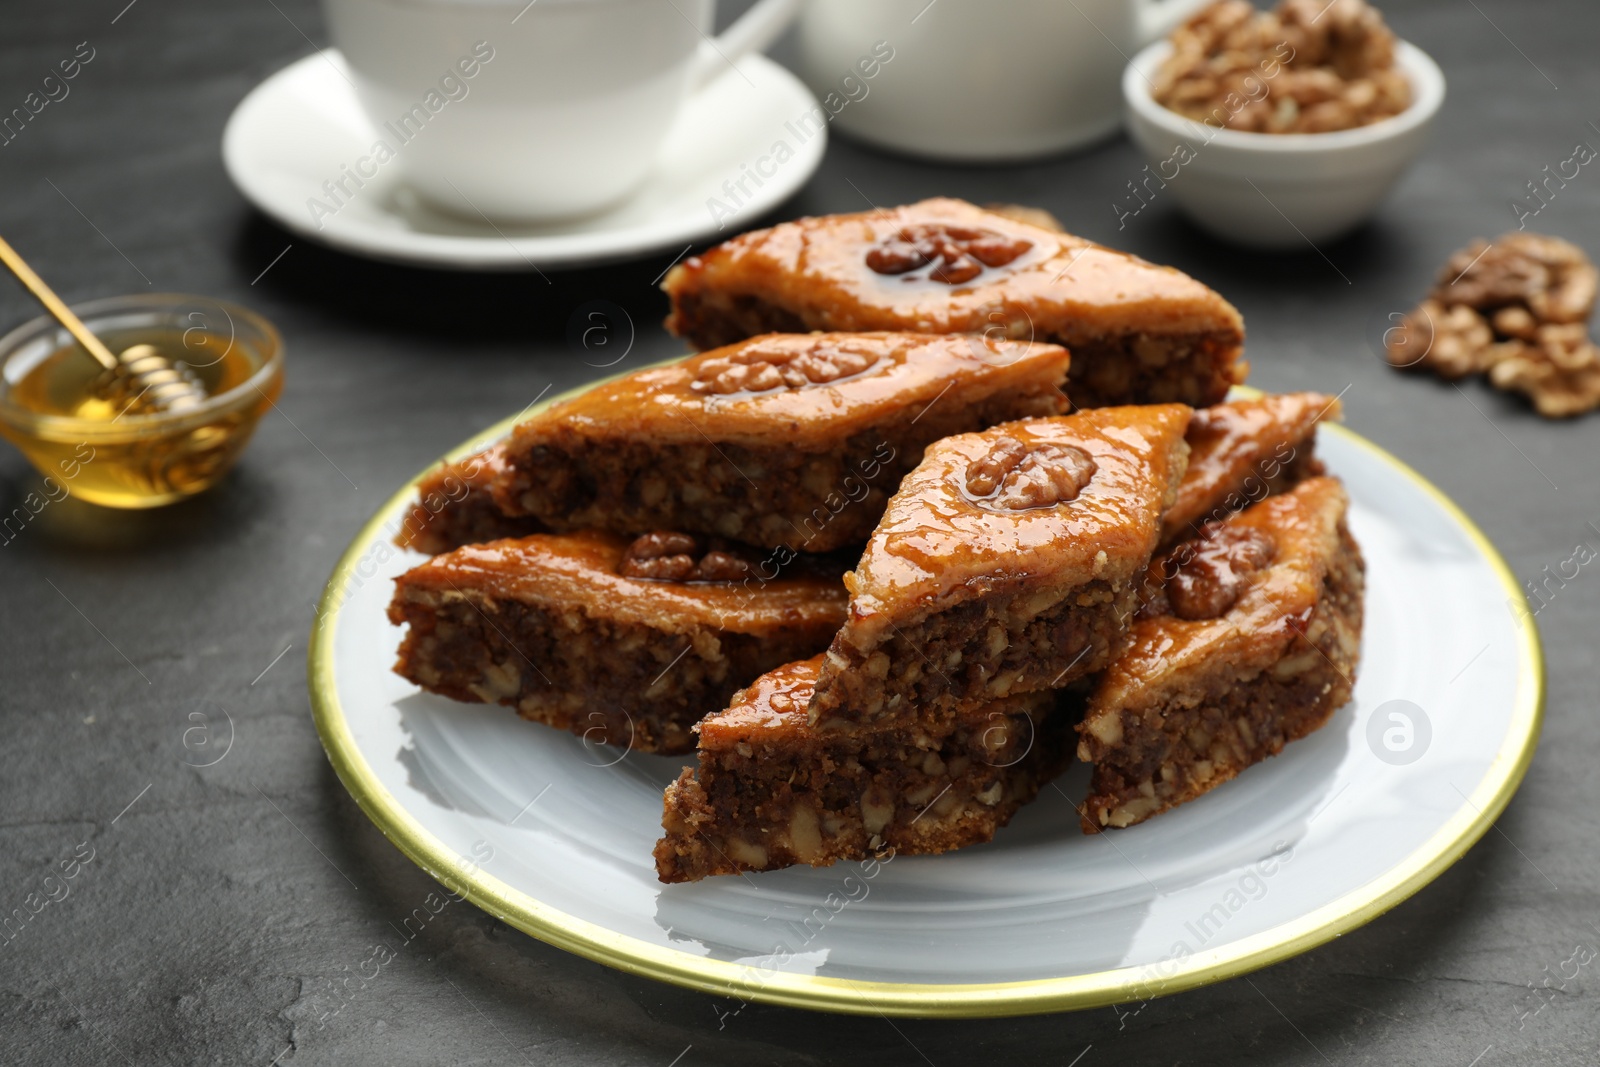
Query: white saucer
[(293, 131)]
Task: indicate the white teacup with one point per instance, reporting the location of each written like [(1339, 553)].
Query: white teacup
[(980, 79), (536, 111)]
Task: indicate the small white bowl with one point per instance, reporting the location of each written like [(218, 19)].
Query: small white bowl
[(1274, 190)]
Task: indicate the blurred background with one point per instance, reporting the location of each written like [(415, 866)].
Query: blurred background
[(225, 902)]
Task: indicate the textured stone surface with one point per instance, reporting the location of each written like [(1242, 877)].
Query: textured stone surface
[(223, 908)]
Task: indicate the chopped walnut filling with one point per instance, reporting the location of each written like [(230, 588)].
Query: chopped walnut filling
[(1016, 477), (753, 369), (1211, 573), (1516, 308), (679, 557), (958, 254), (1311, 66)]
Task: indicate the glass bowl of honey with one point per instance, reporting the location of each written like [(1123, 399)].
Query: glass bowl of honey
[(92, 443)]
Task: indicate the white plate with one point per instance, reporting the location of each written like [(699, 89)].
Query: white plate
[(555, 837), (294, 131)]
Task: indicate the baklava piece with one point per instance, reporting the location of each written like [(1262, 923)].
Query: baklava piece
[(1254, 645), (783, 440), (1243, 451), (456, 506), (771, 791), (627, 642), (1008, 562), (1138, 333)]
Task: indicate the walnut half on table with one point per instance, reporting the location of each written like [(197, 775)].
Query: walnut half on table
[(1559, 371), (1453, 342), (1551, 279), (1517, 309)]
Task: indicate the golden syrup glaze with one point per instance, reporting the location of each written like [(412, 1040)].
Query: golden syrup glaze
[(581, 571), (449, 488), (937, 547), (1062, 288), (480, 469), (673, 404), (770, 709), (1162, 652), (477, 471), (773, 710), (1232, 441)]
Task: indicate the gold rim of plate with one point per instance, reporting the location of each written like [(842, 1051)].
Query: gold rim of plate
[(907, 999)]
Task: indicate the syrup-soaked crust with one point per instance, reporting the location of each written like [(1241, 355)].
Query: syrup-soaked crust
[(1138, 333), (958, 602), (1243, 451), (1187, 705), (771, 791), (456, 506), (793, 440), (549, 625)]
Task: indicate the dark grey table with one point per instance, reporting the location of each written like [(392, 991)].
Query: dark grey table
[(223, 904)]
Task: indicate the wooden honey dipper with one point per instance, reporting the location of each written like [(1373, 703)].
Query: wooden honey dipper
[(147, 379)]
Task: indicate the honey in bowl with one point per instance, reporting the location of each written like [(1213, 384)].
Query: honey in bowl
[(94, 443)]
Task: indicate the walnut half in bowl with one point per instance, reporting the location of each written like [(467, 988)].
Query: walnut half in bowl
[(1310, 66)]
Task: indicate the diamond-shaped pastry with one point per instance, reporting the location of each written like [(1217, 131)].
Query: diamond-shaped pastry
[(1139, 333), (1242, 451), (622, 641), (770, 790), (792, 440), (1007, 562), (1252, 643)]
